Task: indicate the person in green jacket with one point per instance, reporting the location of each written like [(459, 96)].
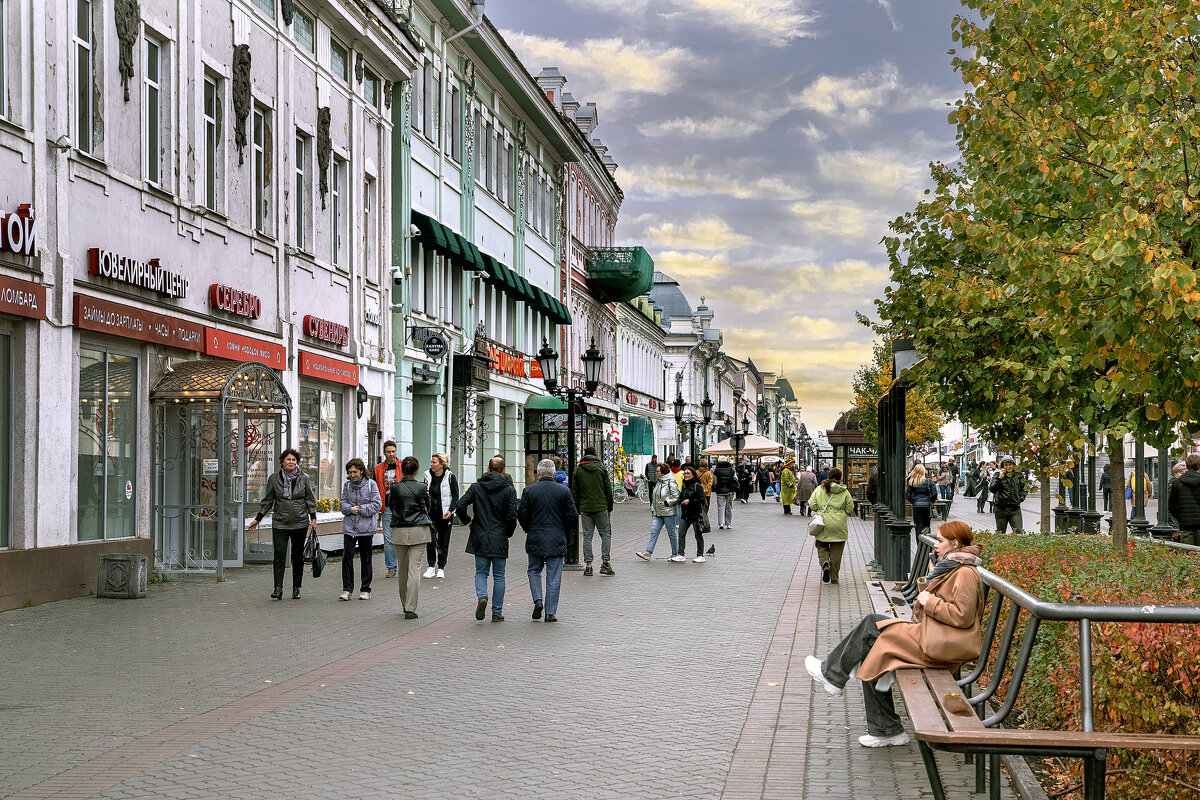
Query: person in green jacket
[(788, 487), (833, 502), (592, 487)]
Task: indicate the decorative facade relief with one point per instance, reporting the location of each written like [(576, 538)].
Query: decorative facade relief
[(128, 16), (241, 97)]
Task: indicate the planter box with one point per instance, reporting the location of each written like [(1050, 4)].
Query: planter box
[(122, 576)]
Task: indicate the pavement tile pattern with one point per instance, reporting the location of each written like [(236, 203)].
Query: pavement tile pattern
[(667, 680)]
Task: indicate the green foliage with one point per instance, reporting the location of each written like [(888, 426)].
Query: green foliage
[(1146, 676), (923, 418)]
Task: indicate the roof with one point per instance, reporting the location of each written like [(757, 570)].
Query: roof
[(669, 297)]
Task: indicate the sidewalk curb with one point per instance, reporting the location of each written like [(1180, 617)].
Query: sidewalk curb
[(1022, 778)]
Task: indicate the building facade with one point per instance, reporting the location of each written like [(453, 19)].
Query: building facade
[(641, 379)]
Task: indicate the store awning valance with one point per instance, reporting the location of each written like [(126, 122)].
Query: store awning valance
[(546, 402), (620, 273), (473, 258), (494, 272), (754, 445)]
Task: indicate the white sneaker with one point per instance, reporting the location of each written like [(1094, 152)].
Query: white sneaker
[(429, 573), (643, 555), (698, 560), (677, 559), (344, 596), (365, 596), (884, 741), (813, 665), (441, 573)]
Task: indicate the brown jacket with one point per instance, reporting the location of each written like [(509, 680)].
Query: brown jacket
[(706, 480), (947, 634)]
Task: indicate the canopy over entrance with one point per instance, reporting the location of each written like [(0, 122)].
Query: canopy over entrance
[(249, 382), (754, 445)]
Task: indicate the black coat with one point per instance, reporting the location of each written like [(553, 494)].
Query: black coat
[(724, 479), (546, 513), (495, 505), (694, 491), (923, 496), (1183, 500)]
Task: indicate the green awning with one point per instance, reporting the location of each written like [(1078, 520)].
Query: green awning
[(524, 290), (493, 271), (637, 438), (541, 301), (433, 234), (564, 316), (512, 284), (454, 246), (620, 273), (546, 402), (472, 258)]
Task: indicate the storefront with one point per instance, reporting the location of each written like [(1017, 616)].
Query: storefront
[(328, 387), (639, 417), (22, 306), (851, 452)]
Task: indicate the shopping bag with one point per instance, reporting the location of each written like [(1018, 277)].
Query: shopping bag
[(816, 525)]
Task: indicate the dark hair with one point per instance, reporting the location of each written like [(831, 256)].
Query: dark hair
[(496, 464), (957, 532), (388, 443), (663, 469), (691, 469), (589, 451), (409, 465), (289, 451), (356, 462), (1193, 461), (834, 476)]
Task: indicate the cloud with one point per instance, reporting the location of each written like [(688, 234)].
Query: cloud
[(701, 234), (854, 100), (884, 174), (689, 179), (606, 68), (886, 5), (682, 266), (712, 128), (627, 8), (840, 219), (813, 133), (775, 22), (846, 276)]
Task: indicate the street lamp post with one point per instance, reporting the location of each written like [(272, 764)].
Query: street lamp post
[(548, 360), (706, 407)]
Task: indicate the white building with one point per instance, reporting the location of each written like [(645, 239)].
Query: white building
[(641, 379)]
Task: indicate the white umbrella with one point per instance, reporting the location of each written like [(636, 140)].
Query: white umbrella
[(754, 445)]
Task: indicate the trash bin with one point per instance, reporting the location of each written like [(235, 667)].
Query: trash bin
[(122, 576)]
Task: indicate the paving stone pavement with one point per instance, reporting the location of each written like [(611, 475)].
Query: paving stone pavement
[(656, 683)]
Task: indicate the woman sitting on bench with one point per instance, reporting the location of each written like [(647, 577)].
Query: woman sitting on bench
[(944, 632)]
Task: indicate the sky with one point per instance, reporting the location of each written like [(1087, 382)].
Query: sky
[(764, 145)]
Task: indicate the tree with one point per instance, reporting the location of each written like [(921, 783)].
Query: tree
[(923, 419)]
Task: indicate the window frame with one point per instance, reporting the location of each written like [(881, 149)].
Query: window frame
[(371, 97), (265, 6), (454, 121), (302, 191), (309, 44), (152, 104), (213, 151), (337, 212), (3, 65), (107, 354), (336, 46), (261, 161), (84, 102), (370, 228)]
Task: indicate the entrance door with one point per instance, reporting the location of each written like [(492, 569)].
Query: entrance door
[(251, 445), (186, 476)]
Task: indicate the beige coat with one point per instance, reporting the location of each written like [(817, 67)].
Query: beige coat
[(806, 484), (949, 631), (415, 534)]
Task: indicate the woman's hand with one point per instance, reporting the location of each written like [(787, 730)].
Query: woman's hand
[(446, 515), (923, 598), (685, 502), (254, 525), (312, 526)]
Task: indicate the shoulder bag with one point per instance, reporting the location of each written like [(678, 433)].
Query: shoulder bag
[(817, 523)]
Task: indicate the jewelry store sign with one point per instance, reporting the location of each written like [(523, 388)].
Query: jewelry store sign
[(149, 275), (18, 232)]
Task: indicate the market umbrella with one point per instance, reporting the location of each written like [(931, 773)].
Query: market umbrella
[(755, 445)]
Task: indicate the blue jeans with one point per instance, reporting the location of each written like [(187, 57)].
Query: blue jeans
[(554, 568), (656, 525), (496, 565), (389, 551)]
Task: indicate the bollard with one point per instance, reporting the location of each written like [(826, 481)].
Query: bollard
[(899, 534), (122, 576)]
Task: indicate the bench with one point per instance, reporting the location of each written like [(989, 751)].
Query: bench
[(864, 509), (948, 715)]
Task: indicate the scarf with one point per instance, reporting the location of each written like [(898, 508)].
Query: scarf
[(289, 482), (968, 556)]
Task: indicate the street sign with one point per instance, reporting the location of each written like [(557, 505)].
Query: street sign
[(435, 346)]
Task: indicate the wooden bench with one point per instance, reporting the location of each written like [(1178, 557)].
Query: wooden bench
[(947, 716), (864, 509)]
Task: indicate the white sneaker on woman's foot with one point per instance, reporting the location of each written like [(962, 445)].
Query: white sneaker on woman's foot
[(344, 596), (429, 573), (441, 573), (884, 741), (698, 560), (813, 665), (678, 559)]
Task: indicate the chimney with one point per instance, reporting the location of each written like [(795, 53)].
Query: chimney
[(601, 147), (569, 104), (586, 119), (551, 81), (609, 163)]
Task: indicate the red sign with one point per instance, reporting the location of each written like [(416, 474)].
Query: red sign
[(508, 363), (326, 331), (235, 301), (92, 314), (18, 232), (22, 298), (223, 344), (631, 398), (329, 369)]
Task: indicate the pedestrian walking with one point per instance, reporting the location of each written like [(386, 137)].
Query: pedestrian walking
[(593, 491), (1133, 487), (1008, 492), (651, 472), (944, 479), (1068, 482), (691, 501), (725, 488), (664, 503), (953, 478), (833, 502), (943, 633), (922, 495), (288, 497), (787, 487), (560, 474), (872, 490), (706, 480), (745, 477), (546, 512), (359, 504), (386, 473), (1183, 501), (412, 530), (823, 474), (764, 480), (495, 504), (982, 486), (806, 484), (1105, 488), (443, 494)]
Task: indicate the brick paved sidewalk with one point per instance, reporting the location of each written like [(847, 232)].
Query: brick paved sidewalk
[(655, 684)]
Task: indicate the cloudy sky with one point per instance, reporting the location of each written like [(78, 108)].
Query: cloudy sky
[(763, 147)]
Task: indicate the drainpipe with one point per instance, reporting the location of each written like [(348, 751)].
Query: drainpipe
[(441, 103)]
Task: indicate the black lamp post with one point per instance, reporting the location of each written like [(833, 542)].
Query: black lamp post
[(738, 438), (707, 409), (548, 360)]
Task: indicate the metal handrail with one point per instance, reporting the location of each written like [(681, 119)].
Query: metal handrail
[(1039, 611)]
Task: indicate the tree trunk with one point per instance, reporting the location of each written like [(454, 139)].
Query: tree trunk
[(1043, 467), (1116, 471)]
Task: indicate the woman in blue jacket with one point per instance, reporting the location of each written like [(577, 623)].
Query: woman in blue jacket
[(922, 494), (360, 506)]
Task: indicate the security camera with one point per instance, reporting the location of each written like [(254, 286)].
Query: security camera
[(397, 276), (413, 231)]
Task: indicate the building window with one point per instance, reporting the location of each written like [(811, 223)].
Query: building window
[(302, 193), (428, 95), (212, 140), (6, 393), (455, 124), (337, 213), (153, 109), (371, 89), (3, 61), (266, 5), (369, 231), (512, 176), (107, 445), (85, 64), (261, 147), (303, 31), (338, 60), (429, 282), (321, 440), (417, 295), (417, 112)]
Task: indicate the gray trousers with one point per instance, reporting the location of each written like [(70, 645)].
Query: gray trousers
[(591, 521), (1008, 516), (724, 508), (882, 719)]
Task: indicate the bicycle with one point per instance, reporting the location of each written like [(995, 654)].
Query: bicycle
[(619, 493)]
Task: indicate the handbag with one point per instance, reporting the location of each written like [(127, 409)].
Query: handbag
[(309, 546), (816, 525)]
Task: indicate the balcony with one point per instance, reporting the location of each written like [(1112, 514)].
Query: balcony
[(620, 273)]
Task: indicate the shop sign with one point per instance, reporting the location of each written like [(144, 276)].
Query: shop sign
[(22, 298), (506, 363), (424, 374), (862, 451), (631, 398), (634, 399), (435, 346), (373, 317), (92, 314), (471, 372), (143, 274), (235, 301), (223, 344), (18, 232), (326, 331), (329, 369)]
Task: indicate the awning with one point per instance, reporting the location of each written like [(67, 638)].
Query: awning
[(246, 381), (473, 259), (546, 402), (494, 271), (637, 437)]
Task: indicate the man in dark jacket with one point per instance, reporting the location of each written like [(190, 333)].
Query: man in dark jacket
[(495, 504), (546, 512), (1008, 492), (652, 472), (1183, 501), (593, 490), (725, 486)]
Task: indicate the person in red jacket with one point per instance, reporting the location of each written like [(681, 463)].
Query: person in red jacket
[(387, 472)]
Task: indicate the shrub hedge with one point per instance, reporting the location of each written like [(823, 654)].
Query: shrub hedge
[(1146, 677)]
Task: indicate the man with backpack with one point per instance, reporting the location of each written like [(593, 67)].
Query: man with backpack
[(1008, 492)]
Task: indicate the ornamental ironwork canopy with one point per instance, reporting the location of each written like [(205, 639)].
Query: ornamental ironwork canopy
[(247, 381)]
